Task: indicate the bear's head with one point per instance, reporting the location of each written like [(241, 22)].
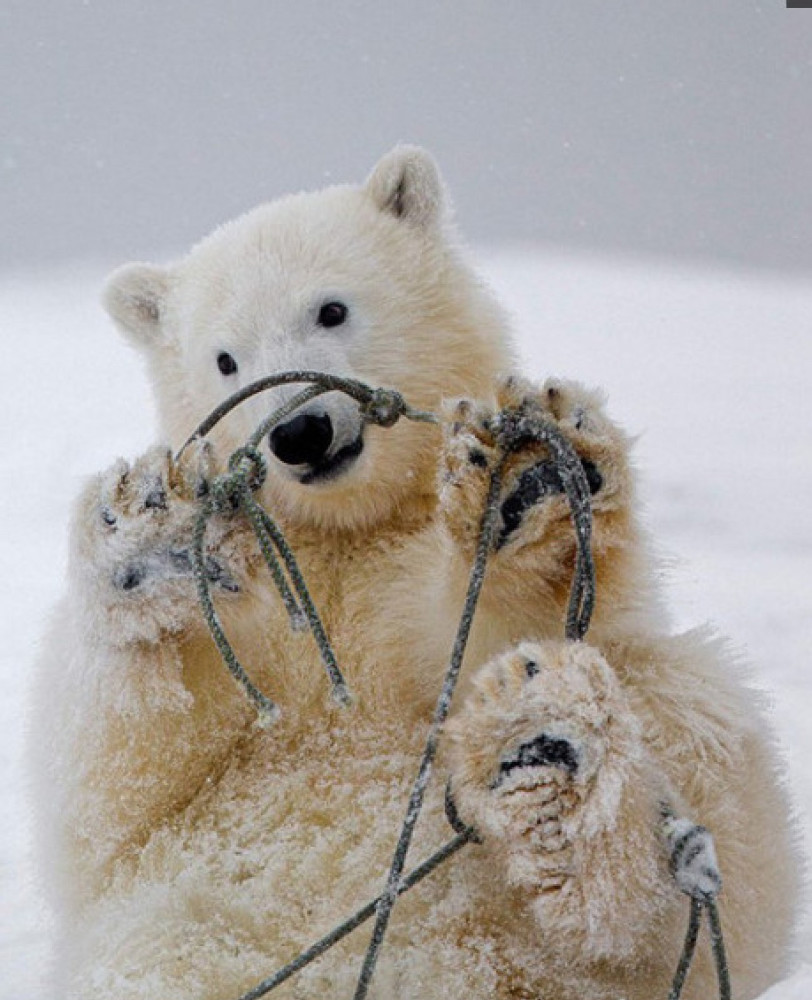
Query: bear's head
[(361, 281)]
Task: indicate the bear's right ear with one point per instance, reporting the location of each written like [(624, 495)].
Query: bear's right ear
[(407, 184), (135, 298)]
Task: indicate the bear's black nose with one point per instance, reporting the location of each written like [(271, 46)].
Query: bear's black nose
[(304, 440)]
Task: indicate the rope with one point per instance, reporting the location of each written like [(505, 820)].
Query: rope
[(515, 430), (267, 527), (717, 946), (267, 711), (381, 406), (233, 491), (484, 543), (688, 949), (512, 434)]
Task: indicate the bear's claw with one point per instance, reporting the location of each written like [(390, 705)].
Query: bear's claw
[(171, 564)]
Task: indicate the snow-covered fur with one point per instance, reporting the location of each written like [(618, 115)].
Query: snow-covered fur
[(190, 853)]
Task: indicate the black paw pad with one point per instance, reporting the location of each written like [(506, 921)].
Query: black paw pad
[(535, 485), (542, 751), (593, 476)]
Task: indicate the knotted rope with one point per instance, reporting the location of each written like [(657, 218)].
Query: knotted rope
[(233, 491)]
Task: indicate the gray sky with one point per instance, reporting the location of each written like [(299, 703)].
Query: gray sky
[(674, 128)]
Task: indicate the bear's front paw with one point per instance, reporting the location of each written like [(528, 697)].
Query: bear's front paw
[(133, 543), (477, 437), (529, 755)]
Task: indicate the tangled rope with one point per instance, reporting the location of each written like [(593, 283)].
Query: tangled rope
[(233, 491)]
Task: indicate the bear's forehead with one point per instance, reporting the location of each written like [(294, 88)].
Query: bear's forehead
[(305, 232), (282, 256)]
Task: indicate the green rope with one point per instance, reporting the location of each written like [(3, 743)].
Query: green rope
[(231, 492), (266, 527), (390, 894), (515, 430), (381, 406), (245, 502), (267, 711), (688, 949), (718, 946)]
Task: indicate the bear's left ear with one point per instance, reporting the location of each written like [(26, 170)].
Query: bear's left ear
[(407, 184), (135, 298)]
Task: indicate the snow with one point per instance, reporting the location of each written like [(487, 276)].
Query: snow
[(709, 367)]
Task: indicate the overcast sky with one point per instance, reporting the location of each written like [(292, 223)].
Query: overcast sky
[(130, 129)]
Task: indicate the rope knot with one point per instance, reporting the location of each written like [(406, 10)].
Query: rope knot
[(384, 407), (247, 471), (249, 466), (224, 494)]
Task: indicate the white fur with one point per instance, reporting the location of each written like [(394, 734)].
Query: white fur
[(188, 854)]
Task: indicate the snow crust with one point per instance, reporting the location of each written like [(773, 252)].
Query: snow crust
[(712, 369)]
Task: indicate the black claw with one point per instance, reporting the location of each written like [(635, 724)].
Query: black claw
[(181, 560), (130, 577), (156, 497), (216, 573), (541, 751)]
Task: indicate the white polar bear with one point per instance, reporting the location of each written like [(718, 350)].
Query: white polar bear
[(191, 853)]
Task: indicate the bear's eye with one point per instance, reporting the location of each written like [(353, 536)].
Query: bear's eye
[(332, 314), (226, 363)]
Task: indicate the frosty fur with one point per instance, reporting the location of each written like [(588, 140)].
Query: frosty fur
[(188, 854)]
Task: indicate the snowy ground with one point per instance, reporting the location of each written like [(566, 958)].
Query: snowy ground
[(710, 368)]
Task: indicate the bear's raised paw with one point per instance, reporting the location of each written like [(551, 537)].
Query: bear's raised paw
[(134, 538), (477, 436)]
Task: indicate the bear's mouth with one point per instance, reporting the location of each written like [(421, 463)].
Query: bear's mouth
[(334, 465)]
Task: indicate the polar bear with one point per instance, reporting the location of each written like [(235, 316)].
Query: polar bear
[(189, 852)]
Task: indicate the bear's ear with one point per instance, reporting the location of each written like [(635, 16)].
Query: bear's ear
[(407, 184), (135, 298)]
